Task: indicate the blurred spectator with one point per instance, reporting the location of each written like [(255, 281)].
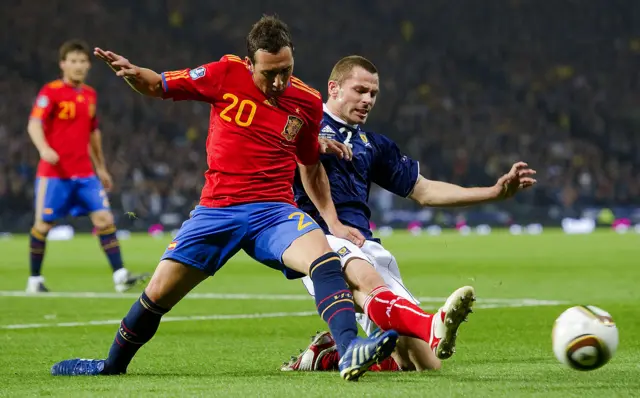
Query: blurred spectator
[(467, 89)]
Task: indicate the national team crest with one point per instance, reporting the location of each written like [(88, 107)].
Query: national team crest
[(291, 130), (364, 138), (343, 251)]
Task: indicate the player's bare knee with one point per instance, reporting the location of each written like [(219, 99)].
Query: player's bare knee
[(42, 227), (437, 365), (414, 354), (362, 276), (154, 291), (423, 358), (171, 281), (159, 292), (318, 246), (434, 364), (102, 219), (415, 363), (305, 250), (404, 363)]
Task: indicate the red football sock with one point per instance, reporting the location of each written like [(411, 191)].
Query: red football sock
[(390, 311), (388, 365)]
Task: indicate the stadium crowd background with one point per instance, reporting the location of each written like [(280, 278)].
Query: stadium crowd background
[(467, 89)]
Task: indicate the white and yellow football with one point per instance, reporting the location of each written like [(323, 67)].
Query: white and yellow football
[(585, 337)]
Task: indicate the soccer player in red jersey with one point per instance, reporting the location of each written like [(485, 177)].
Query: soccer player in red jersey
[(263, 124), (64, 128)]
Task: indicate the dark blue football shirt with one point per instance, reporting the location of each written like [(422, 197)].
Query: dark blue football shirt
[(376, 159)]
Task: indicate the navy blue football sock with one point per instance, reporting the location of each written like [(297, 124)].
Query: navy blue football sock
[(111, 247), (37, 244), (136, 328), (334, 300)]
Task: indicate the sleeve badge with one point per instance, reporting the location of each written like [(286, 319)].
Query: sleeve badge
[(42, 101)]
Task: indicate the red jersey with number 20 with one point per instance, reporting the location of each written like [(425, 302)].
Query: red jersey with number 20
[(68, 116), (254, 141)]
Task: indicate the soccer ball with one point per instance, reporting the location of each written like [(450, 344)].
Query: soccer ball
[(584, 337)]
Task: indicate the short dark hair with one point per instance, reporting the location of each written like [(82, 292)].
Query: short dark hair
[(71, 46), (270, 34), (342, 69)]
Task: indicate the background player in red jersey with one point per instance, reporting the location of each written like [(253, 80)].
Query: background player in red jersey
[(263, 123), (64, 128)]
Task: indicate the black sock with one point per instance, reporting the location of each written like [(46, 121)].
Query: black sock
[(37, 244), (334, 300), (136, 328), (111, 247)]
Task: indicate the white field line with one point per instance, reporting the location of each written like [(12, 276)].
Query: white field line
[(247, 296), (482, 304), (164, 319)]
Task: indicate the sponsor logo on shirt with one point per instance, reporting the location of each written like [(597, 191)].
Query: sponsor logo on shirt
[(327, 132)]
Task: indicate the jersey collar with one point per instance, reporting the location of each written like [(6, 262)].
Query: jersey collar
[(337, 119)]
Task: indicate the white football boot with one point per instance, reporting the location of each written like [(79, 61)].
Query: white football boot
[(310, 358), (35, 284), (444, 328), (124, 280)]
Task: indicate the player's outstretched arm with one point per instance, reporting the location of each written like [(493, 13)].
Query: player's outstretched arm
[(316, 183), (442, 194), (143, 80)]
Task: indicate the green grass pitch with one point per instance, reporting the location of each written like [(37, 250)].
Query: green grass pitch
[(231, 336)]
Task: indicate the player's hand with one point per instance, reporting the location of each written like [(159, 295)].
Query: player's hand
[(118, 63), (354, 236), (49, 155), (105, 179), (334, 147), (519, 177)]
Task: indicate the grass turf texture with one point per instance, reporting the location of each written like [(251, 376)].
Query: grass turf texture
[(502, 351)]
